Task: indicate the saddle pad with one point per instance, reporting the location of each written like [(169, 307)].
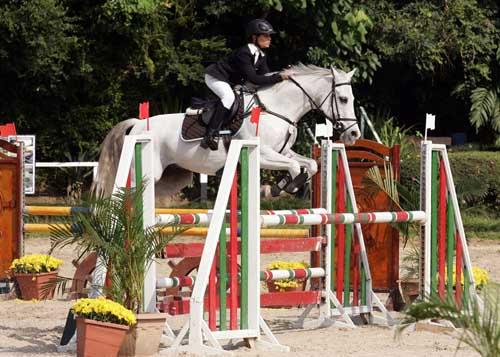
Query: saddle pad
[(193, 128)]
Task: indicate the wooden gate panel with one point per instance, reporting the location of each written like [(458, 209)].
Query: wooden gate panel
[(11, 198), (381, 240)]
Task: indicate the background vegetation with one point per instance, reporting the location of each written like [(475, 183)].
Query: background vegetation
[(71, 69)]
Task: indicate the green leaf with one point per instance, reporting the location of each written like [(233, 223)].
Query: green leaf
[(485, 108)]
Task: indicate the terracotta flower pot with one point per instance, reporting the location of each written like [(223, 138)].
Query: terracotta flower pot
[(99, 339), (31, 285), (143, 339)]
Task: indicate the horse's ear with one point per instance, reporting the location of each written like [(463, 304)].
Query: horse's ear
[(334, 71), (350, 74)]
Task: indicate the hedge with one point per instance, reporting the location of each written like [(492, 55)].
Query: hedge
[(475, 173)]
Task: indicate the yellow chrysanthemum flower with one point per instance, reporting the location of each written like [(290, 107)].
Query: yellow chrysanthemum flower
[(35, 263), (101, 309), (480, 276)]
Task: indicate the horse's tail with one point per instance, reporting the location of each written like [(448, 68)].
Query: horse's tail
[(109, 157)]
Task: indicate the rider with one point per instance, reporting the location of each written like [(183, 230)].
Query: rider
[(248, 63)]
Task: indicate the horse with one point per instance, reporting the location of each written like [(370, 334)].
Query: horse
[(310, 87)]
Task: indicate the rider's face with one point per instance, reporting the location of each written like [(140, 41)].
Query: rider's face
[(264, 41)]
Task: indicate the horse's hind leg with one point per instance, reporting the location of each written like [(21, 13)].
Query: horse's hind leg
[(171, 182)]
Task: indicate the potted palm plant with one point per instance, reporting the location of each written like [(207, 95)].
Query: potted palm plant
[(114, 230)]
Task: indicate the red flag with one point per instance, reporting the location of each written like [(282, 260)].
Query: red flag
[(8, 129), (144, 112), (255, 117)]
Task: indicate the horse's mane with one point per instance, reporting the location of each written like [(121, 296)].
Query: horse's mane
[(300, 69), (307, 69)]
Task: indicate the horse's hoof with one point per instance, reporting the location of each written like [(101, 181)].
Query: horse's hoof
[(294, 186), (275, 190), (282, 183)]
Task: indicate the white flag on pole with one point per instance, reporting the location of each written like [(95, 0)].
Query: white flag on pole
[(430, 121), (324, 130)]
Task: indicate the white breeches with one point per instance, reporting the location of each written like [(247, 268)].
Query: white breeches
[(222, 89)]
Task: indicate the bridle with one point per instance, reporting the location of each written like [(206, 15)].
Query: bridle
[(338, 126)]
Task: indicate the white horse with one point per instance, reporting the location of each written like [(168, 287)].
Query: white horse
[(285, 103)]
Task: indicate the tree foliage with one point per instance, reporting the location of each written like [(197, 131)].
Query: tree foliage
[(71, 69), (485, 111)]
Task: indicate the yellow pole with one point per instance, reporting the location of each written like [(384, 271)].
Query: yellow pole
[(195, 231), (68, 210)]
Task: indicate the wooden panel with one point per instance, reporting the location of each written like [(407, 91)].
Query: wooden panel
[(10, 205), (369, 145), (358, 155), (267, 246), (382, 240)]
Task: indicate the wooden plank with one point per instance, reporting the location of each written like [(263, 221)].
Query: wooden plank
[(181, 250), (287, 298)]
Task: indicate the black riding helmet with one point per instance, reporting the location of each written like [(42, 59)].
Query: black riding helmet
[(259, 27)]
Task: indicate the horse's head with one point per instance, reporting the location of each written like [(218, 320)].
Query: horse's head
[(339, 106), (330, 91)]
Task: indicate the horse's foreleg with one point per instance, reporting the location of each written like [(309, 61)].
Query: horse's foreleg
[(309, 164), (272, 160)]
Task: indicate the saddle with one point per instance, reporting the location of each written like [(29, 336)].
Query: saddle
[(201, 111)]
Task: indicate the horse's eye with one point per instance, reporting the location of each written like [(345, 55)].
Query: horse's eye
[(343, 100)]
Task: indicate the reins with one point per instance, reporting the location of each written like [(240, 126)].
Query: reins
[(336, 122)]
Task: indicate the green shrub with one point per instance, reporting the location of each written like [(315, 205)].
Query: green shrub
[(476, 175)]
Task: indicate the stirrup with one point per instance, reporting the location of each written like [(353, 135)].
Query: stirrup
[(210, 142)]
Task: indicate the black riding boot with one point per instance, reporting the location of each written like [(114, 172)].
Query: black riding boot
[(211, 138)]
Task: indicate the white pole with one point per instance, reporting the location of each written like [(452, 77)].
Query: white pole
[(149, 303), (425, 205), (254, 237)]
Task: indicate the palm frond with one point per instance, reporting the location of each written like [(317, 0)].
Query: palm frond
[(411, 263), (485, 108), (409, 196), (480, 321), (387, 184), (396, 193)]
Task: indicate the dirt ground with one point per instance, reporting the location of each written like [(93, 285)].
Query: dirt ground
[(34, 328)]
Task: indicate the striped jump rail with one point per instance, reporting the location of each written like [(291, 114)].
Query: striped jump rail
[(205, 218), (265, 275), (306, 219), (344, 218)]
